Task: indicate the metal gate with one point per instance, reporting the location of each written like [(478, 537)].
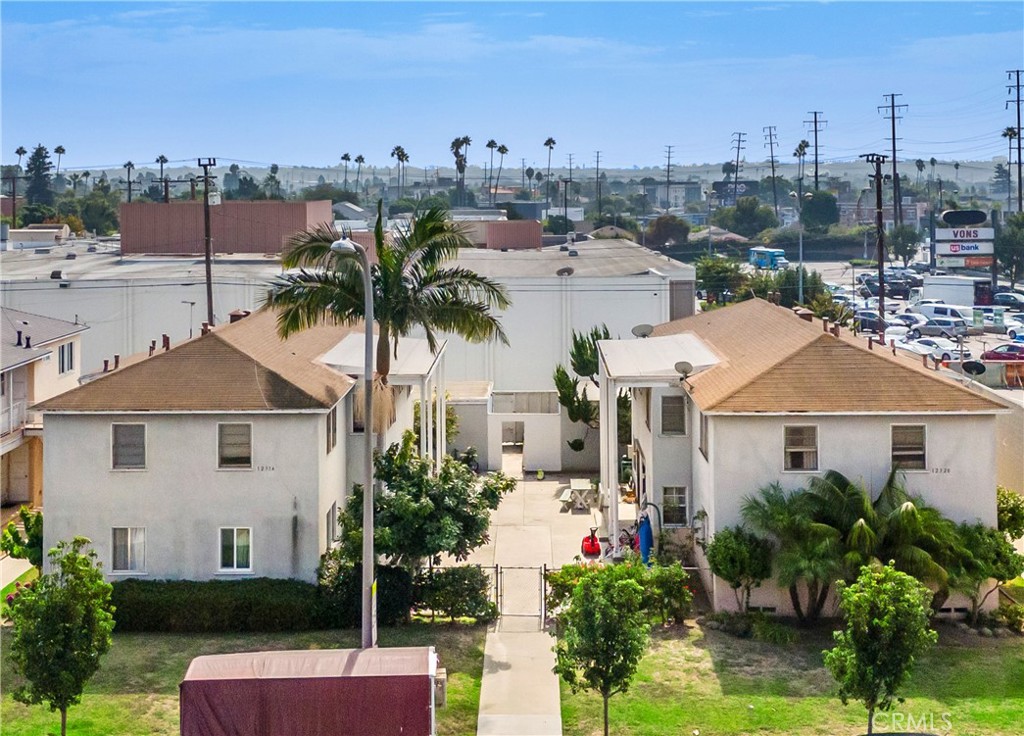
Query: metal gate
[(521, 596)]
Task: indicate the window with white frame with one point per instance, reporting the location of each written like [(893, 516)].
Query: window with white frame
[(675, 506), (236, 548), (332, 429), (234, 445), (66, 357), (129, 549), (908, 447), (673, 415), (129, 446), (703, 441), (357, 415), (332, 525), (801, 448)]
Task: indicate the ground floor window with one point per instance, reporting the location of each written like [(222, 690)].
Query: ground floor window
[(676, 506), (908, 447), (236, 548), (129, 549)]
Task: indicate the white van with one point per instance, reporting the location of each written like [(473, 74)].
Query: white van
[(946, 310)]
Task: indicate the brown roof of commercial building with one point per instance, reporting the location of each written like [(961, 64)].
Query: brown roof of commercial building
[(244, 366), (773, 361)]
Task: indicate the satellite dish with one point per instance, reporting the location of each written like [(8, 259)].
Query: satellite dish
[(684, 368), (974, 368), (642, 331), (565, 271)]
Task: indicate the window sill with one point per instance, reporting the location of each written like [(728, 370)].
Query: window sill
[(128, 470), (673, 434), (235, 469), (807, 471), (128, 573), (235, 573)]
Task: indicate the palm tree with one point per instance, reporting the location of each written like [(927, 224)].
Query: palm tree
[(550, 144), (399, 154), (60, 151), (932, 161), (801, 154), (491, 144), (502, 150), (75, 178), (956, 171), (128, 166), (20, 151), (920, 169), (345, 158), (1010, 134), (805, 550), (894, 526), (466, 143), (413, 288), (529, 179), (359, 168), (162, 160)]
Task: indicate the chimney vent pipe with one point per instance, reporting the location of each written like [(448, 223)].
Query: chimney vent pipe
[(106, 366), (18, 344), (28, 341), (117, 361)]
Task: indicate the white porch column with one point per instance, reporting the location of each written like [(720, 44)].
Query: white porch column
[(609, 447), (442, 414), (424, 427), (427, 407)]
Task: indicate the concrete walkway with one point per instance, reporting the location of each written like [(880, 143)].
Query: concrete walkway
[(11, 569), (519, 694)]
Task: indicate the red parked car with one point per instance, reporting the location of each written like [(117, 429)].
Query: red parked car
[(1005, 352)]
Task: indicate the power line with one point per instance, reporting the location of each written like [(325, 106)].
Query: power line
[(816, 127), (668, 176), (737, 141), (892, 108), (771, 140)]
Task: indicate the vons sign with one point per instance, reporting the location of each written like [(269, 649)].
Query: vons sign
[(965, 233)]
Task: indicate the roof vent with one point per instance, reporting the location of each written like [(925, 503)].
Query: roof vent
[(56, 275), (573, 253), (563, 248), (28, 341), (565, 271), (70, 256), (18, 343)]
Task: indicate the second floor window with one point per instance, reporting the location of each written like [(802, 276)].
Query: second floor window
[(801, 448), (129, 446), (66, 357), (673, 415), (234, 445)]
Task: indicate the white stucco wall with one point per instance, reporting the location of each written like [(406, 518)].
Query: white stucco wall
[(540, 322), (541, 438), (47, 381), (473, 428), (182, 498)]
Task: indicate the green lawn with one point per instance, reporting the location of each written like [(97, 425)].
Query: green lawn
[(136, 690), (715, 683)]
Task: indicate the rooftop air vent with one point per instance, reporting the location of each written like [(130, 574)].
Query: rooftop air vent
[(56, 275), (573, 253)]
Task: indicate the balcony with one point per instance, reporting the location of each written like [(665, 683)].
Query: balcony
[(12, 424)]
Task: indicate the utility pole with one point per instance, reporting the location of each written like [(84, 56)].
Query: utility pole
[(737, 141), (597, 175), (206, 164), (897, 195), (570, 186), (668, 177), (14, 196), (1020, 188), (816, 127), (522, 171), (877, 160), (770, 141)]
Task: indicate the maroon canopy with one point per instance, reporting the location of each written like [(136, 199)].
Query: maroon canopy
[(362, 692)]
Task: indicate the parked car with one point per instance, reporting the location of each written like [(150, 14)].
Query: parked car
[(911, 319), (891, 305), (940, 327), (1010, 351), (943, 349), (1009, 299), (866, 321), (1012, 328), (912, 346), (916, 306)]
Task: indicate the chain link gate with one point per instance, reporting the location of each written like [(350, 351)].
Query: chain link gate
[(521, 595)]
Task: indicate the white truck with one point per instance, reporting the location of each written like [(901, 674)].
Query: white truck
[(957, 289)]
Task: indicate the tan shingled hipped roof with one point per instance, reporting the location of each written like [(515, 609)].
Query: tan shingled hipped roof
[(773, 361), (243, 366)]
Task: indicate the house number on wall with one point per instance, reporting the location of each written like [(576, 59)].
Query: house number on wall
[(262, 468), (940, 470)]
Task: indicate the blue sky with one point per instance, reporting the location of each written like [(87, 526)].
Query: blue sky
[(302, 83)]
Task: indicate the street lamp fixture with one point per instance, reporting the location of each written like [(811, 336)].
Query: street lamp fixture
[(348, 247), (800, 211)]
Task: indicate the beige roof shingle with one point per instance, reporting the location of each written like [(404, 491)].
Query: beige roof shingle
[(243, 366), (773, 361)]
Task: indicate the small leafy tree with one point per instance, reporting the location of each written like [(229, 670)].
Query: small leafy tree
[(667, 229), (421, 515), (29, 547), (718, 275), (903, 242), (603, 634), (1010, 512), (747, 218), (62, 626), (742, 559), (819, 211), (887, 629), (991, 558)]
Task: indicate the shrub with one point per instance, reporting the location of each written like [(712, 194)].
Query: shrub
[(757, 626), (667, 593), (340, 589), (456, 592), (185, 606), (562, 582), (742, 559), (1012, 616)]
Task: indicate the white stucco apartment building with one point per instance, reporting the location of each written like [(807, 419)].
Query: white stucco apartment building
[(40, 357), (774, 398), (228, 455)]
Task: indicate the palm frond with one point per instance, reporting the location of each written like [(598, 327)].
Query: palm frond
[(309, 298), (311, 248)]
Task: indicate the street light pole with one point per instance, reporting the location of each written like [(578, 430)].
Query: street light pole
[(191, 315), (344, 247), (800, 229)]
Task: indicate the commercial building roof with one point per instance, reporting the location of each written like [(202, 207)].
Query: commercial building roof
[(244, 366), (594, 258), (773, 361)]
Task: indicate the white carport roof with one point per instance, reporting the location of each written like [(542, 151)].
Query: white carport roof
[(651, 361), (413, 363)]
